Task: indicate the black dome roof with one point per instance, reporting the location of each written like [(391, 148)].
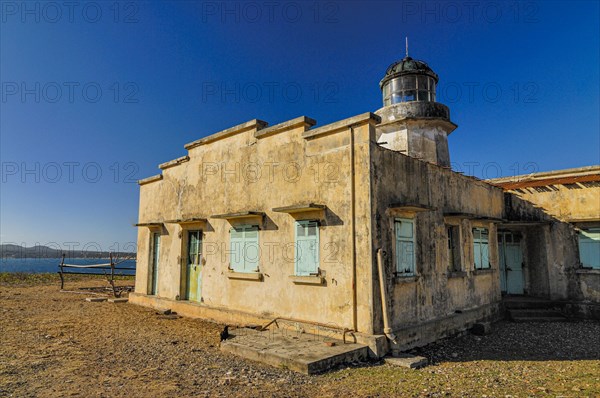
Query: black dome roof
[(408, 66)]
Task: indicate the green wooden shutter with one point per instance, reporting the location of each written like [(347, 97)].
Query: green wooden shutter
[(244, 253), (307, 248), (481, 255), (405, 246), (236, 249), (251, 252), (589, 247), (485, 248)]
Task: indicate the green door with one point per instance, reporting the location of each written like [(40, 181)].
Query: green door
[(511, 262), (154, 263), (193, 289)]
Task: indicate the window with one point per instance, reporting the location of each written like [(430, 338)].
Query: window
[(481, 244), (405, 246), (409, 88), (589, 248), (307, 248), (454, 260), (244, 252), (154, 256)]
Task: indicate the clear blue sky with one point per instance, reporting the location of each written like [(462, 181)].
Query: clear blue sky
[(95, 96)]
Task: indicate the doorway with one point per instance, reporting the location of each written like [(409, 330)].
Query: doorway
[(511, 262), (193, 283), (154, 256)]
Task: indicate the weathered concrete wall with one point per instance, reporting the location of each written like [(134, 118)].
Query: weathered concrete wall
[(433, 295), (574, 202), (257, 170), (417, 129), (551, 254)]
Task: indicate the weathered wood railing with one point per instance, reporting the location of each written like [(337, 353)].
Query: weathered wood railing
[(110, 277)]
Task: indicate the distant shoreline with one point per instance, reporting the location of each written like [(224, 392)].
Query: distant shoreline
[(70, 258)]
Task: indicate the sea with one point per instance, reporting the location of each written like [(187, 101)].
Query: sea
[(42, 265)]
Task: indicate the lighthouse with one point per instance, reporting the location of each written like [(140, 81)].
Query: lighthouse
[(412, 122)]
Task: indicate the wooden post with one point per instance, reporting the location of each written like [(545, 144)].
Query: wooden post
[(112, 276), (62, 279)]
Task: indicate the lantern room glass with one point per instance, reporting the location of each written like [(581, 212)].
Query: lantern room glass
[(409, 88)]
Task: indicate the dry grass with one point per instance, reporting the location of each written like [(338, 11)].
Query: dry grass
[(56, 344)]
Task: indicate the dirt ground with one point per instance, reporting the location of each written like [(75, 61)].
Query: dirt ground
[(55, 344)]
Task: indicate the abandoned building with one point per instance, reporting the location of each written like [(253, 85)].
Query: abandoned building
[(361, 226)]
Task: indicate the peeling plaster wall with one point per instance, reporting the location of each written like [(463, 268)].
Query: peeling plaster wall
[(577, 202), (433, 294), (552, 254), (242, 173)]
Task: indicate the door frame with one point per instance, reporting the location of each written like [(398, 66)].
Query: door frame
[(502, 259), (185, 240), (153, 262)]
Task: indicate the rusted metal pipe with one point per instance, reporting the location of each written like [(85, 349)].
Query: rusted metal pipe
[(389, 333), (324, 325), (353, 233)]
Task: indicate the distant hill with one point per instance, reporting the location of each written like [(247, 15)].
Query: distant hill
[(16, 251)]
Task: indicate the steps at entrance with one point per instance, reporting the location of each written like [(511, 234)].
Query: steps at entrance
[(302, 352), (536, 315), (529, 309)]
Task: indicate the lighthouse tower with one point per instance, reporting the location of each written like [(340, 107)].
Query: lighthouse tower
[(411, 121)]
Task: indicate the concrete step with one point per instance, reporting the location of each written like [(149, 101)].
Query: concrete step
[(540, 319), (406, 361), (528, 303), (301, 352), (536, 315)]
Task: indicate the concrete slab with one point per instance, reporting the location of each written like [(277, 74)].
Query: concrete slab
[(95, 299), (301, 352), (118, 300), (407, 361)]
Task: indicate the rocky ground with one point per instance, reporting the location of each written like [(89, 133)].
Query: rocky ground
[(54, 344)]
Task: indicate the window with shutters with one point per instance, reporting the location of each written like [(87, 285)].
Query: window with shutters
[(589, 248), (244, 251), (307, 248), (481, 248), (405, 246)]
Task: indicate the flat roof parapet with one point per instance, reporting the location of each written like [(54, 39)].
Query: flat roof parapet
[(342, 124), (148, 180), (174, 162), (579, 174), (287, 125), (254, 123)]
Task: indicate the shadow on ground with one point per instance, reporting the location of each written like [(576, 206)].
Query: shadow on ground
[(521, 342)]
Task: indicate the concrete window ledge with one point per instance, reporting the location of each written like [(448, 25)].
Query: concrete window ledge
[(307, 280), (483, 271), (589, 271), (249, 276), (406, 279), (457, 274)]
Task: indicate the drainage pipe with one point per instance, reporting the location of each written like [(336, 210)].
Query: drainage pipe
[(353, 230), (389, 333)]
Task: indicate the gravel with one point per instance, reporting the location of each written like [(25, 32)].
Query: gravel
[(55, 345)]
